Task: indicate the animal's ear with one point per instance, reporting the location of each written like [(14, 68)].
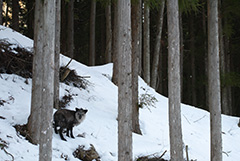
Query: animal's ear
[(77, 109), (85, 111)]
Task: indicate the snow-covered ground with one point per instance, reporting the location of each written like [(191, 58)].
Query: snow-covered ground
[(100, 125)]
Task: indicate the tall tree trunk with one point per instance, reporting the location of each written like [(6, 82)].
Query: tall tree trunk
[(115, 42), (174, 83), (40, 119), (227, 62), (192, 51), (125, 82), (70, 29), (181, 55), (108, 52), (214, 82), (15, 15), (30, 17), (224, 91), (1, 16), (206, 54), (155, 66), (92, 54), (146, 43), (57, 53), (136, 49)]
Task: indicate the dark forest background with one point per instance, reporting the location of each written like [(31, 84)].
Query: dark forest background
[(77, 27)]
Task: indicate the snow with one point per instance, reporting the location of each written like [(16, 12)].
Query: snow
[(100, 126)]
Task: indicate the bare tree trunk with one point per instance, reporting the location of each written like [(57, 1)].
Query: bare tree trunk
[(174, 83), (108, 52), (15, 15), (1, 16), (125, 82), (34, 119), (224, 91), (181, 55), (30, 18), (92, 54), (214, 81), (48, 66), (192, 51), (146, 44), (115, 42), (70, 29), (206, 53), (136, 49), (155, 66), (57, 53), (40, 119)]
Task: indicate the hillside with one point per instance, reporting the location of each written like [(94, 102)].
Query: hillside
[(100, 125)]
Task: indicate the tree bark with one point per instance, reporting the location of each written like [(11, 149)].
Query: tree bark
[(40, 119), (174, 83), (115, 42), (192, 52), (30, 18), (181, 54), (1, 16), (146, 44), (57, 53), (136, 50), (70, 29), (214, 81), (124, 82), (108, 52), (92, 54), (155, 66), (15, 15)]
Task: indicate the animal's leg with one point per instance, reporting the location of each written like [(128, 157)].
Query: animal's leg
[(68, 132), (71, 132), (61, 135), (55, 129)]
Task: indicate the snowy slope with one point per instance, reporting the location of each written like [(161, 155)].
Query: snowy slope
[(100, 125)]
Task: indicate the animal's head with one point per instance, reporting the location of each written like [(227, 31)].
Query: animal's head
[(80, 113)]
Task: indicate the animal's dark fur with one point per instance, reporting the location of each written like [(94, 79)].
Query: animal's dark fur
[(67, 119)]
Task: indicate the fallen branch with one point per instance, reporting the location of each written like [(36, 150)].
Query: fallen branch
[(163, 154)]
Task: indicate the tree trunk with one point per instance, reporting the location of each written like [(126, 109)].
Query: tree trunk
[(136, 49), (70, 29), (1, 16), (206, 54), (57, 53), (192, 52), (30, 17), (224, 91), (92, 54), (155, 66), (108, 52), (15, 15), (174, 83), (214, 81), (115, 42), (181, 56), (146, 44), (40, 119), (125, 82)]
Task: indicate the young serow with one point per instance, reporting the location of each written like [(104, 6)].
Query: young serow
[(67, 119)]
